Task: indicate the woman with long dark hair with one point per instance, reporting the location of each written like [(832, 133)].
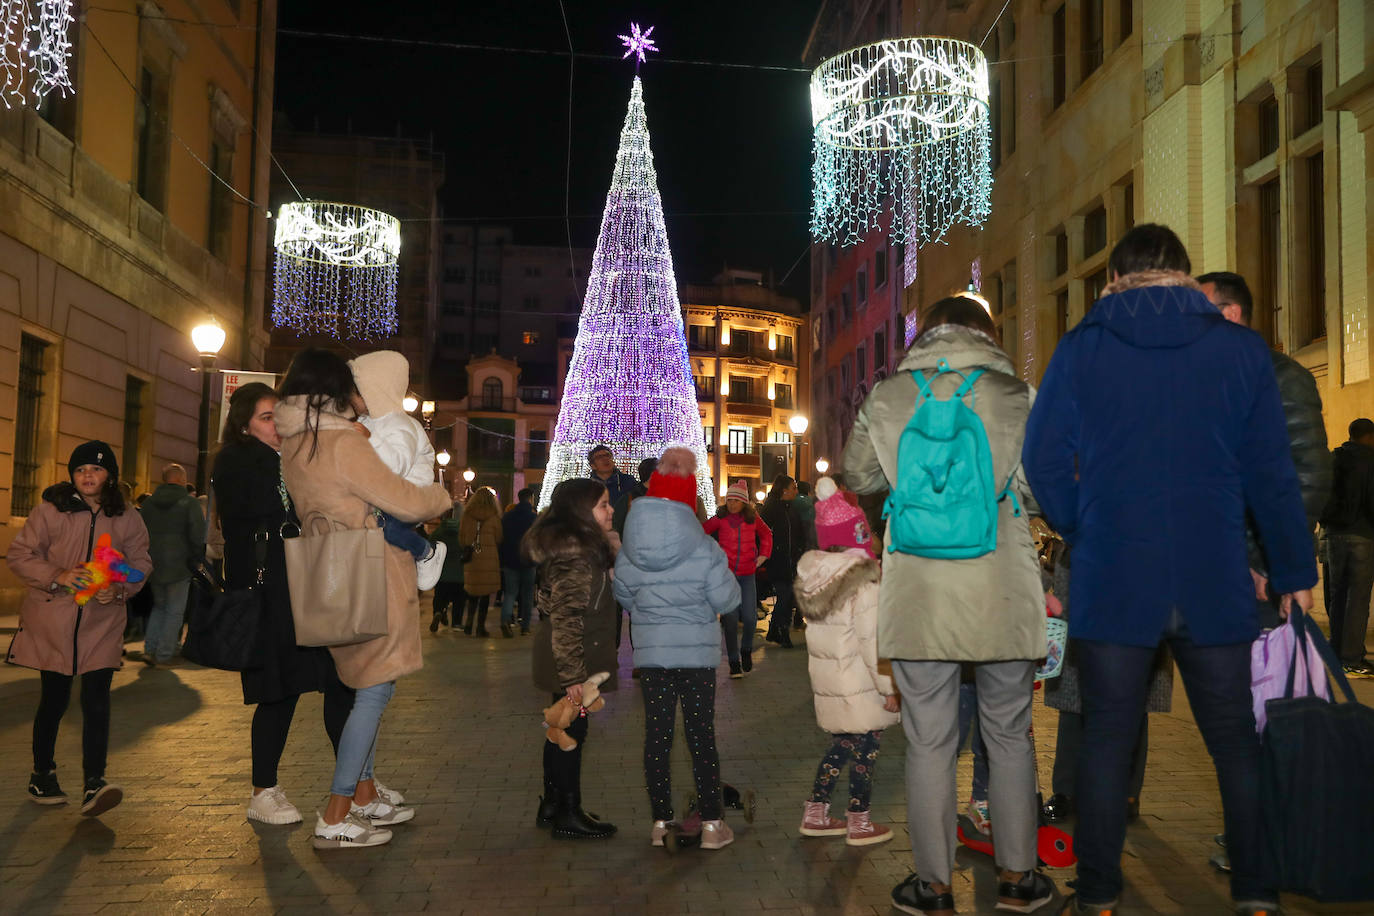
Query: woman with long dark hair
[(61, 638), (576, 638), (329, 467), (789, 541), (253, 509)]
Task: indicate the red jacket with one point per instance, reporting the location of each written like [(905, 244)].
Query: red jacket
[(743, 542)]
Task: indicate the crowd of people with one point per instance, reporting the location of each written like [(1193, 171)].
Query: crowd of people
[(1181, 465)]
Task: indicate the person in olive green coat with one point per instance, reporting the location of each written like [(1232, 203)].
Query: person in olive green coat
[(448, 593)]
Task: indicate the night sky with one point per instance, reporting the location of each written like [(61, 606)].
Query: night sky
[(731, 146)]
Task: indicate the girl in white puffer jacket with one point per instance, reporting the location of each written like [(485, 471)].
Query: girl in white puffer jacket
[(837, 590)]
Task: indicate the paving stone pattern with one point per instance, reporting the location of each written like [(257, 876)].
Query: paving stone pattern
[(462, 739)]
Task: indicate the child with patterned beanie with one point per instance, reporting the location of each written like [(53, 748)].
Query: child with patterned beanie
[(837, 591)]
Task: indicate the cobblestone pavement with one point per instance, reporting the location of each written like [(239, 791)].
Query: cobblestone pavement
[(462, 740)]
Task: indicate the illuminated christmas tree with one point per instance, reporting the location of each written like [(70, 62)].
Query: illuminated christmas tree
[(629, 385)]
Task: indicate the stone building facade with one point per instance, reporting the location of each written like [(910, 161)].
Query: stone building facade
[(124, 223)]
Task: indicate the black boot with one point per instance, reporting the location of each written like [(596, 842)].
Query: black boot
[(572, 823), (482, 623), (548, 802)]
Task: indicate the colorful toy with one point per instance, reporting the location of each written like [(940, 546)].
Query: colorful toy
[(106, 567), (560, 715)]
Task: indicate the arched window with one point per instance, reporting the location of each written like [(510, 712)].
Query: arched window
[(492, 394)]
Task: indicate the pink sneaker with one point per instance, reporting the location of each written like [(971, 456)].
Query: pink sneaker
[(863, 832), (816, 821)]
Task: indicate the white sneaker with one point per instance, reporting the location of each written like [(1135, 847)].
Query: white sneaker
[(381, 814), (428, 570), (271, 807), (388, 795), (715, 834), (347, 833)]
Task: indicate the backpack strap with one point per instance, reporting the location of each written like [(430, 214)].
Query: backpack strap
[(922, 384), (967, 387)]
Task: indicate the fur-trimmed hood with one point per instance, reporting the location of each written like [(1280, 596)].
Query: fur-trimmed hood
[(825, 580), (1154, 309)]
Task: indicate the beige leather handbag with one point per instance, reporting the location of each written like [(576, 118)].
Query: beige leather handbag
[(337, 578)]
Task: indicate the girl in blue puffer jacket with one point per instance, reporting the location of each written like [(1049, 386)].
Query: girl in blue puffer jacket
[(675, 582)]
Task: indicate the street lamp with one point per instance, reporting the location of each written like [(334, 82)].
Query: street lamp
[(822, 465), (798, 425), (443, 458), (207, 339), (409, 403), (427, 411), (759, 495), (469, 475)]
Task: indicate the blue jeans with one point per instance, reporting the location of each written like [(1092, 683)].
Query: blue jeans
[(358, 744), (968, 722), (403, 535), (747, 614), (1115, 680), (165, 620), (515, 581)]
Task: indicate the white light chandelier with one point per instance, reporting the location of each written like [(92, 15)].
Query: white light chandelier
[(901, 141), (34, 49), (336, 270)]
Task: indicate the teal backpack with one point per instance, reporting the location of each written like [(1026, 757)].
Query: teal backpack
[(945, 502)]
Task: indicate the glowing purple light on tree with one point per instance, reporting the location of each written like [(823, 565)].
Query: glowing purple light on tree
[(629, 385), (638, 42)]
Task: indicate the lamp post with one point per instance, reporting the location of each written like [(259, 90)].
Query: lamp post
[(468, 476), (427, 411), (822, 466), (443, 458), (207, 339), (409, 403), (798, 425)]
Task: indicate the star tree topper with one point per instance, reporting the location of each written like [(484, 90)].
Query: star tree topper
[(637, 43)]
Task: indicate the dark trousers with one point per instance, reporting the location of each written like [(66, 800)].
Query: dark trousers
[(477, 612), (860, 752), (1115, 681), (783, 607), (1352, 577), (272, 723), (449, 594), (1069, 743), (55, 695), (563, 769), (696, 689)]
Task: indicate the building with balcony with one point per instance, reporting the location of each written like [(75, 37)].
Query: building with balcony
[(124, 222), (397, 175), (748, 347), (1245, 126)]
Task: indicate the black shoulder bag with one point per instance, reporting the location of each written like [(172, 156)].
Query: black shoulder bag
[(223, 628)]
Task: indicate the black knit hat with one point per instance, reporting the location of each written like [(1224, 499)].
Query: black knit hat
[(94, 452)]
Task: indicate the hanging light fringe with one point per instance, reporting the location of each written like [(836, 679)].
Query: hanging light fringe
[(34, 49), (336, 270), (900, 124)]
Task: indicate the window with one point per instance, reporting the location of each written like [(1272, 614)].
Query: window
[(1058, 59), (880, 346), (706, 387), (782, 397), (1268, 126), (861, 364), (861, 285), (489, 276), (782, 438), (531, 271), (529, 338), (1316, 249), (740, 440), (221, 201), (830, 383), (709, 434), (830, 324), (150, 138), (1127, 18), (532, 304), (451, 275), (701, 336), (452, 307), (1061, 313), (1092, 289), (846, 305), (538, 453), (1312, 92), (1009, 119), (1128, 205), (133, 429), (879, 267), (741, 388), (492, 394), (741, 341), (1061, 253), (1091, 37), (1011, 336), (994, 55), (536, 394), (845, 374), (785, 349), (1095, 231), (450, 339), (24, 486)]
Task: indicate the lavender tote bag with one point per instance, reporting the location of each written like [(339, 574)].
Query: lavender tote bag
[(1270, 658)]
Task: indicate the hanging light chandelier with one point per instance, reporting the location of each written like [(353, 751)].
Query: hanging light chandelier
[(336, 270), (902, 141), (34, 49)]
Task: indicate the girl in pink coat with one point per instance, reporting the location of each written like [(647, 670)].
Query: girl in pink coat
[(747, 542)]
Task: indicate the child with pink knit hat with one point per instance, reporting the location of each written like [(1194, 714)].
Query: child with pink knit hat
[(837, 591)]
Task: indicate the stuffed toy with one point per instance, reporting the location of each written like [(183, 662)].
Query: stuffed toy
[(106, 567), (562, 714)]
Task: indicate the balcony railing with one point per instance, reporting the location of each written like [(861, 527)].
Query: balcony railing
[(491, 402), (537, 395)]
